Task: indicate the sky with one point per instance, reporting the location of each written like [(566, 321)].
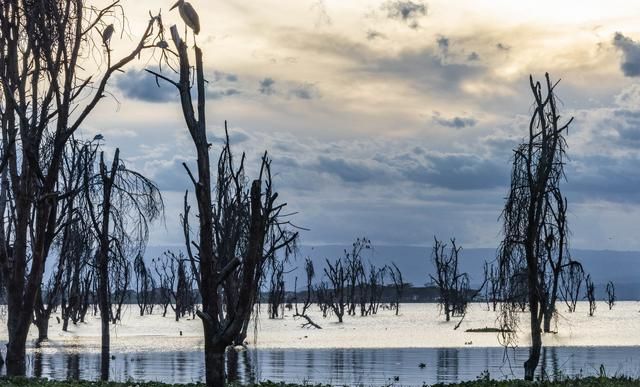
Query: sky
[(394, 119)]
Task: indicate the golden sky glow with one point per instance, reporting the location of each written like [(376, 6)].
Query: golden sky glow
[(354, 101)]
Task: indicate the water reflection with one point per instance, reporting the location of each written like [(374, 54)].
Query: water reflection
[(448, 362), (337, 366)]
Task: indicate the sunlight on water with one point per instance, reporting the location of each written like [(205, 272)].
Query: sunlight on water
[(372, 350)]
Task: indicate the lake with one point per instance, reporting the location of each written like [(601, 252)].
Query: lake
[(371, 350), (364, 366)]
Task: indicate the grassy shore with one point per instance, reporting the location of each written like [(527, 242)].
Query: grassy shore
[(582, 382)]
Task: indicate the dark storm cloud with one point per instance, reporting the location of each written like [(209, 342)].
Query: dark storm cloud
[(426, 70), (267, 86), (459, 172), (348, 170), (455, 122), (627, 124), (406, 11), (630, 49), (142, 86), (603, 177)]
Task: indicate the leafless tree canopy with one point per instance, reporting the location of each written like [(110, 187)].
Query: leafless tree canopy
[(453, 285), (571, 284), (241, 225), (120, 204), (535, 229), (48, 54)]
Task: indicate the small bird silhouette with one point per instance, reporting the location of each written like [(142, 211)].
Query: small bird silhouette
[(107, 34)]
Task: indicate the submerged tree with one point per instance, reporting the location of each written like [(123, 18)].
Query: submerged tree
[(398, 285), (611, 294), (120, 203), (452, 285), (49, 87), (591, 295), (492, 290), (276, 290), (240, 225), (535, 232), (145, 285), (572, 279), (336, 291), (310, 274)]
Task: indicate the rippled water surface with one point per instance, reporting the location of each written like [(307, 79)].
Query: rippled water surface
[(340, 366)]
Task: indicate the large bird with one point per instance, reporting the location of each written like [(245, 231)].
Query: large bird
[(189, 15), (107, 34)]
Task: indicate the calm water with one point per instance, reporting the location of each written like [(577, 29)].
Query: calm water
[(341, 366)]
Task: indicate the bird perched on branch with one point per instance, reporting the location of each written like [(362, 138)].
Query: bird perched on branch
[(188, 15), (107, 34)]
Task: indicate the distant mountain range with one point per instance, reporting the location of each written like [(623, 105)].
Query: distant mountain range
[(621, 267)]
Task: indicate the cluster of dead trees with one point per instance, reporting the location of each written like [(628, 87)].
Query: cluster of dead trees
[(349, 287)]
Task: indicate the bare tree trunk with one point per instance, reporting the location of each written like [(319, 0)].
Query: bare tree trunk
[(214, 362)]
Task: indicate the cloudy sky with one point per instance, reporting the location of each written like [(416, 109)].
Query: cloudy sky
[(396, 119)]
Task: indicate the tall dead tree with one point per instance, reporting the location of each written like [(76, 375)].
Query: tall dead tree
[(120, 204), (49, 87), (240, 225), (534, 229)]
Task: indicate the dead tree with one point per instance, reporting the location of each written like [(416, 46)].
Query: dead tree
[(376, 288), (322, 298), (276, 290), (310, 274), (48, 90), (611, 294), (355, 270), (145, 284), (534, 229), (165, 268), (78, 157), (572, 279), (78, 275), (336, 299), (591, 295), (492, 290), (398, 285), (120, 204), (452, 285), (240, 225)]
